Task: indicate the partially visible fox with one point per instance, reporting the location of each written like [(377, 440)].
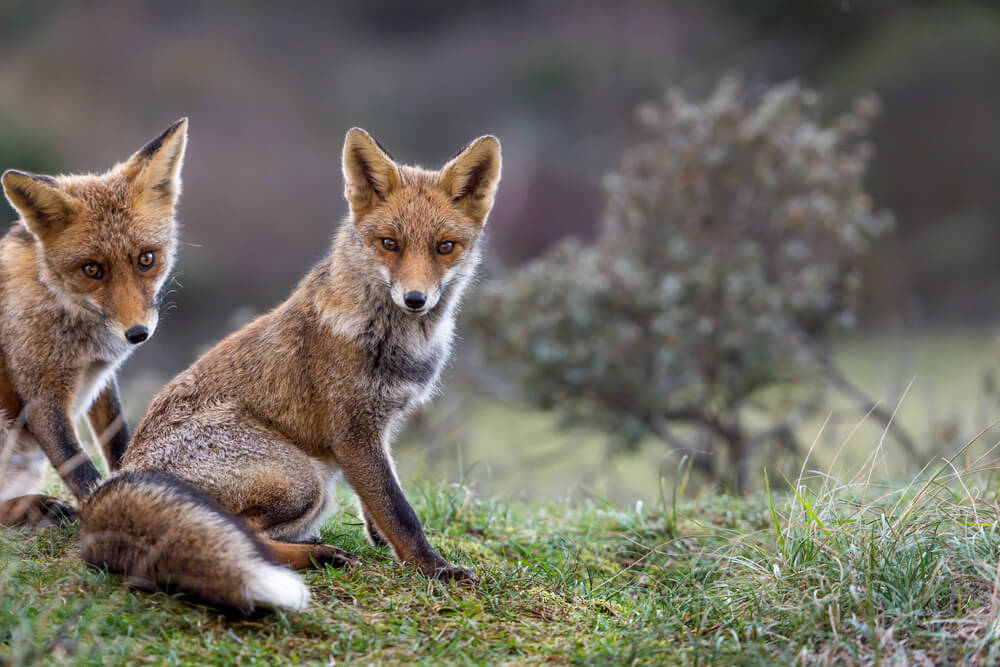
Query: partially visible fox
[(81, 274), (232, 468)]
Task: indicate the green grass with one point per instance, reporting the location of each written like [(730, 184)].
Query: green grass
[(814, 571)]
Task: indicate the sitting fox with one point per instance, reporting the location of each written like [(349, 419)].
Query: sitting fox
[(81, 274), (231, 470)]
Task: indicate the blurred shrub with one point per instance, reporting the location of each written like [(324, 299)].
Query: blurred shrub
[(729, 251)]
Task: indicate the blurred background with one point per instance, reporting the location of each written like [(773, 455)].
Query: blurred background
[(271, 89)]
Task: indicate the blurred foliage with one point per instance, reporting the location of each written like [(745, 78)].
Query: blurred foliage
[(729, 251), (18, 17), (21, 149), (832, 16)]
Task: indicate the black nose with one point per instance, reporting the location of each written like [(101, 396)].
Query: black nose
[(137, 334), (414, 300)]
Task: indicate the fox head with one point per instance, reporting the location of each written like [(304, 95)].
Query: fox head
[(418, 230), (106, 244)]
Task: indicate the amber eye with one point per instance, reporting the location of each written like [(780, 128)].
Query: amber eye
[(446, 247), (146, 261), (93, 270), (390, 244)]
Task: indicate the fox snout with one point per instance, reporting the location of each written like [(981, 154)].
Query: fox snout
[(131, 309), (135, 330), (136, 334), (415, 300)]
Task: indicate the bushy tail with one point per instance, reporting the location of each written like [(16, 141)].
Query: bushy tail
[(163, 532)]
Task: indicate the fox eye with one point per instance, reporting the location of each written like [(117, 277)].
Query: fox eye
[(93, 270), (390, 244), (146, 261), (445, 247)]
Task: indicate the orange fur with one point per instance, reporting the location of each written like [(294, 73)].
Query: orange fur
[(80, 277), (265, 420)]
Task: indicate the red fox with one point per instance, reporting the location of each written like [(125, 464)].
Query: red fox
[(81, 275), (231, 469)]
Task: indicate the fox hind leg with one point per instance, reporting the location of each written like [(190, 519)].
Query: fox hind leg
[(282, 493), (287, 504), (289, 525), (290, 522), (307, 556)]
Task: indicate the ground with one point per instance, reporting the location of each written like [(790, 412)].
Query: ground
[(839, 572)]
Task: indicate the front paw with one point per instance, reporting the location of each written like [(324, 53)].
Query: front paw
[(36, 511)]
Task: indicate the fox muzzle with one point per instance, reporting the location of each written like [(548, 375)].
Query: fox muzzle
[(414, 300), (137, 334)]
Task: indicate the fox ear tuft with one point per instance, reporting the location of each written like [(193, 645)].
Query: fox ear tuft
[(156, 167), (370, 174), (45, 208), (471, 177)]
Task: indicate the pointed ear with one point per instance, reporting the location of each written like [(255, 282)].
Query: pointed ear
[(156, 167), (370, 174), (471, 177), (45, 208)]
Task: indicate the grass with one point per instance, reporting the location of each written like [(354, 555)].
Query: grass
[(816, 570)]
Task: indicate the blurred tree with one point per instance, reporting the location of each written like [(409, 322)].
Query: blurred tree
[(20, 149), (729, 251)]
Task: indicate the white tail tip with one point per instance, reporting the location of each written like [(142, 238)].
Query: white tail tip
[(276, 586)]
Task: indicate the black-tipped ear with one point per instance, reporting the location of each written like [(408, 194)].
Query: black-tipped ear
[(471, 177), (370, 174), (44, 207), (156, 167)]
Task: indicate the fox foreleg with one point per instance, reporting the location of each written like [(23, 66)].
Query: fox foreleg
[(371, 475), (49, 422)]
